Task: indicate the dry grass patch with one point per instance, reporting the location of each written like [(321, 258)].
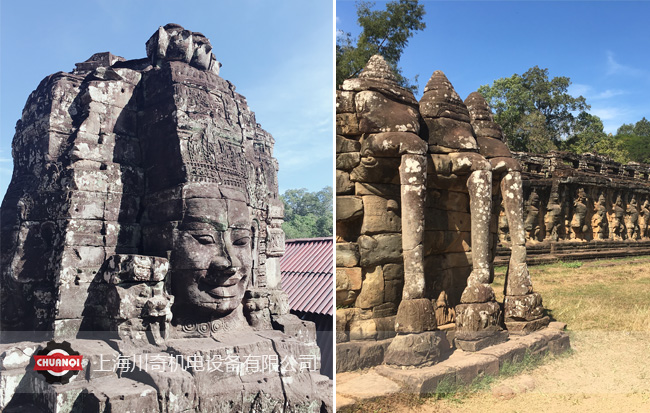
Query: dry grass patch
[(611, 295)]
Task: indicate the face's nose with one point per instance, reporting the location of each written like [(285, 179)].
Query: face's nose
[(220, 262), (223, 259)]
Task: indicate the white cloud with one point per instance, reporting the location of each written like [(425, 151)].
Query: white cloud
[(616, 68), (588, 92), (609, 93), (607, 113)]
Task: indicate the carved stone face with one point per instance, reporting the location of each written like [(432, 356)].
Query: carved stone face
[(211, 261)]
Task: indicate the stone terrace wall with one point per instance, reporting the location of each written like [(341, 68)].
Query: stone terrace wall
[(588, 198)]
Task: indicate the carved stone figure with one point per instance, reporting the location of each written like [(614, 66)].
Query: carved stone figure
[(455, 130), (144, 212), (632, 220), (553, 217), (618, 224), (532, 214), (212, 261), (579, 219), (644, 219), (437, 162), (599, 221)]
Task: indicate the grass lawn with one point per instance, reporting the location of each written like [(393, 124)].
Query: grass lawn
[(612, 295)]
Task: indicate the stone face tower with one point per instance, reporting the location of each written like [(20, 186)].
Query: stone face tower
[(108, 159), (144, 209)]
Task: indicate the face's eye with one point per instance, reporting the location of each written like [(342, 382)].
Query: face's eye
[(204, 238), (240, 237)]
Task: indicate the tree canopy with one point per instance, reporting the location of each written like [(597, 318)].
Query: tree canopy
[(635, 140), (307, 214), (534, 111), (384, 32)]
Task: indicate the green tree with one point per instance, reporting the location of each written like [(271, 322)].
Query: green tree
[(588, 132), (534, 112), (307, 214), (635, 140), (384, 32)]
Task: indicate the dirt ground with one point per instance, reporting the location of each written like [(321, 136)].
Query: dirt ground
[(608, 372)]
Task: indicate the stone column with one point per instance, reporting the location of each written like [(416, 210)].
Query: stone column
[(523, 310), (415, 313), (478, 318)]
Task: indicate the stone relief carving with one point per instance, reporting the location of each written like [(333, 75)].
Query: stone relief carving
[(599, 199)]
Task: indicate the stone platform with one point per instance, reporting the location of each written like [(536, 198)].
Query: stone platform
[(460, 367), (550, 252)]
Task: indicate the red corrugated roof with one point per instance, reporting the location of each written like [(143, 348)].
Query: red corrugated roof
[(307, 269)]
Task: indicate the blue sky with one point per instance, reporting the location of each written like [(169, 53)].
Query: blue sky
[(603, 46), (277, 53)]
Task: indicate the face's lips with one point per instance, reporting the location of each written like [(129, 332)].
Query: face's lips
[(221, 285)]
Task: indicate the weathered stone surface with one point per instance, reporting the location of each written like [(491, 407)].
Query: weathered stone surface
[(385, 327), (492, 148), (377, 113), (480, 343), (379, 249), (393, 290), (441, 186), (477, 293), (450, 133), (348, 285), (417, 349), (348, 207), (481, 117), (343, 316), (365, 188), (144, 212), (343, 184), (345, 145), (347, 124), (393, 144), (376, 171), (380, 215), (478, 319), (441, 100), (347, 254), (347, 161), (372, 289), (393, 271), (360, 354), (415, 316), (523, 307), (363, 330), (344, 104), (134, 268), (526, 327)]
